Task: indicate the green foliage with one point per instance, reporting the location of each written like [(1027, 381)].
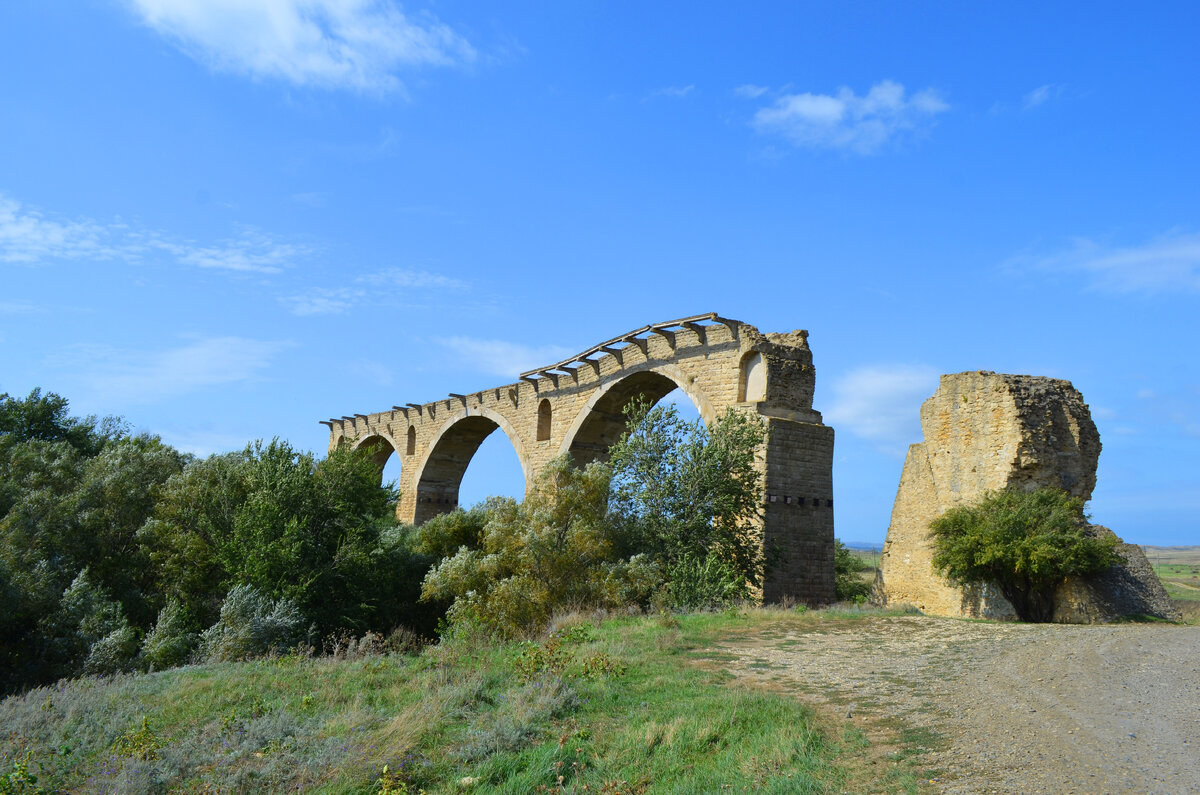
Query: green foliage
[(849, 585), (317, 533), (139, 743), (698, 584), (172, 640), (251, 625), (553, 551), (1025, 542), (683, 492), (447, 533), (44, 418)]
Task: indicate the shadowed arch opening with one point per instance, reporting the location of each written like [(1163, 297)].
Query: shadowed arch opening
[(378, 447), (605, 422), (544, 417), (442, 475)]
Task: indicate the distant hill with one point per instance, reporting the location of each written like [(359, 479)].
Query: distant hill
[(865, 546)]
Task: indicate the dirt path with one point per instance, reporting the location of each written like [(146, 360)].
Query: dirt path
[(1006, 708)]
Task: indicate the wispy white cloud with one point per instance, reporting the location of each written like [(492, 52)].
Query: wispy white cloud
[(121, 376), (20, 308), (673, 91), (29, 237), (846, 121), (1031, 100), (882, 403), (368, 288), (1167, 264), (355, 44), (498, 357), (1041, 95), (750, 91), (401, 277)]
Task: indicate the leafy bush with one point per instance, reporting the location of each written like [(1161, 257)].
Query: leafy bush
[(251, 625), (696, 584), (172, 639), (1025, 542), (554, 550), (849, 586)]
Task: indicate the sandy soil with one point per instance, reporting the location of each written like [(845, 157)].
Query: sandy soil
[(1005, 708)]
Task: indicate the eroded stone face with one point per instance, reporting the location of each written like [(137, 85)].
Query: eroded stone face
[(986, 431)]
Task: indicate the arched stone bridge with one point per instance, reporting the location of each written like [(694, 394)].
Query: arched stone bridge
[(575, 406)]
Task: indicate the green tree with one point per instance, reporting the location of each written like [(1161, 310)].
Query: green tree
[(45, 418), (314, 532), (1026, 543), (683, 492), (849, 585)]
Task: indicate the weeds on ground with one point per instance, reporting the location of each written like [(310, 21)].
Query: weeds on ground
[(604, 706)]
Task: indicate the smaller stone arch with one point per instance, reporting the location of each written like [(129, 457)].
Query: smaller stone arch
[(410, 447), (545, 415), (752, 382), (380, 446), (440, 473)]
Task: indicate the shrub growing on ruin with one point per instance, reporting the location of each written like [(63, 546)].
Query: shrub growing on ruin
[(1027, 543)]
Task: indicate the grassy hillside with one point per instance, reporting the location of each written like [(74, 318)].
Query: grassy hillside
[(617, 706)]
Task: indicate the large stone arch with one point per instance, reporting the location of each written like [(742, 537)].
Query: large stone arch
[(600, 422), (438, 475)]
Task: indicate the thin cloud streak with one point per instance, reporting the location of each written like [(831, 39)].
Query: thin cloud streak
[(1168, 264), (366, 289), (120, 376), (845, 121), (334, 44), (502, 358), (28, 237)]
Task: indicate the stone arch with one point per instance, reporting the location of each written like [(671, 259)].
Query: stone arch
[(440, 473), (545, 415), (600, 423), (380, 446), (752, 378), (411, 446)]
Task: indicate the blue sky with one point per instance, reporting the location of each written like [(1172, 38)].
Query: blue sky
[(227, 220)]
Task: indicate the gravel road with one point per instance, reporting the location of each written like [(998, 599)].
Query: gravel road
[(1007, 708)]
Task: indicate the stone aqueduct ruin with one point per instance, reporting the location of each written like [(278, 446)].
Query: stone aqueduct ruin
[(575, 406)]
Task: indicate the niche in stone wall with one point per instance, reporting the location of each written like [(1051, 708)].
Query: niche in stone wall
[(543, 429), (754, 378), (412, 441)]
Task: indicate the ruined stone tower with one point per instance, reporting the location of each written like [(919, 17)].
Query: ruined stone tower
[(987, 431)]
